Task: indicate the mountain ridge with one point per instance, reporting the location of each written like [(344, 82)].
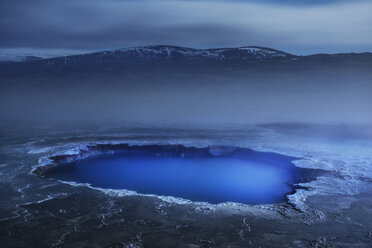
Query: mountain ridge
[(181, 59), (163, 53), (167, 53)]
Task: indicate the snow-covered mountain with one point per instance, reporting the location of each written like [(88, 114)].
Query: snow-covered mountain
[(169, 52), (148, 54), (153, 57)]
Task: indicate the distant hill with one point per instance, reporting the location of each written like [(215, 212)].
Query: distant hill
[(247, 57), (149, 54)]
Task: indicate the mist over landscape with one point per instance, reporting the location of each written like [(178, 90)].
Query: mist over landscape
[(159, 123), (175, 89)]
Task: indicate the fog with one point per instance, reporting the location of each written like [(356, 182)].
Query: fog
[(191, 96)]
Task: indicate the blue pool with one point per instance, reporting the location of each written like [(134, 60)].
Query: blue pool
[(244, 177)]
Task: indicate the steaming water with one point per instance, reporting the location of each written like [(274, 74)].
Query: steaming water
[(209, 179)]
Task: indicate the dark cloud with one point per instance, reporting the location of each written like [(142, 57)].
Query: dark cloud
[(300, 26)]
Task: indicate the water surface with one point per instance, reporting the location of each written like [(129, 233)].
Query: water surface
[(214, 179)]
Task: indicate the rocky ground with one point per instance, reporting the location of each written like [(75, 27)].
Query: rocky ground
[(333, 211)]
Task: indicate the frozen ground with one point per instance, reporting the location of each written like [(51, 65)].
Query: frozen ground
[(333, 211)]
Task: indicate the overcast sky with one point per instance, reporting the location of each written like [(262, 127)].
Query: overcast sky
[(295, 26)]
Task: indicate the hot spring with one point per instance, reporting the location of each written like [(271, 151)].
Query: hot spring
[(213, 174)]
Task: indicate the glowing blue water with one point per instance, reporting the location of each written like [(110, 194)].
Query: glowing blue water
[(210, 179)]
